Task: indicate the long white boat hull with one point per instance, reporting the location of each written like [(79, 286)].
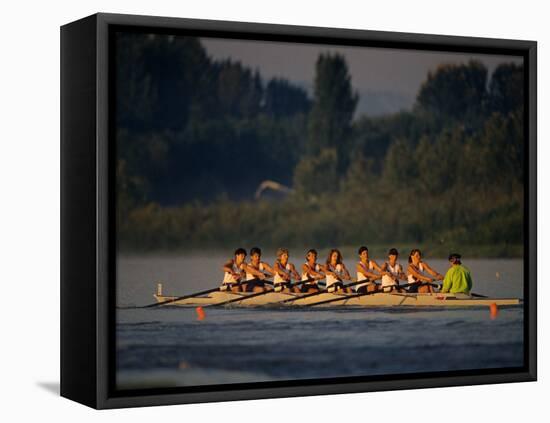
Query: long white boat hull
[(372, 300)]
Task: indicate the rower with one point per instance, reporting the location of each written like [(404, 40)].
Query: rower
[(392, 272), (335, 272), (284, 272), (458, 279), (311, 270), (234, 271), (366, 272), (256, 272), (416, 274)]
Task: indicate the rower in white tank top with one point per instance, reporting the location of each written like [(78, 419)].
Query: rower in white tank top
[(331, 280), (228, 278), (361, 276), (277, 279), (250, 276), (305, 275), (395, 270), (419, 269)]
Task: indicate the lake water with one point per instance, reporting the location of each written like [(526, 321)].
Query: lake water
[(166, 347)]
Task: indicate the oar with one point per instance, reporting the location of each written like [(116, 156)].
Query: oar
[(322, 291), (365, 293), (197, 294), (257, 294), (345, 297)]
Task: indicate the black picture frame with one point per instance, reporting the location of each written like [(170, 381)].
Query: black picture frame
[(87, 211)]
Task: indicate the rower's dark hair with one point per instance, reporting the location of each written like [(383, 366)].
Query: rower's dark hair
[(361, 249), (240, 251), (255, 250), (312, 250), (413, 252), (281, 251), (393, 252), (455, 258), (338, 259)]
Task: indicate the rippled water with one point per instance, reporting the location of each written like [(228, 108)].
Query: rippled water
[(170, 347)]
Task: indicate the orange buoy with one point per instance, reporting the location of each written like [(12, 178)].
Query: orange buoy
[(493, 308), (201, 315)]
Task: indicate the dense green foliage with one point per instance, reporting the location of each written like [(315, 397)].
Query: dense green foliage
[(196, 137)]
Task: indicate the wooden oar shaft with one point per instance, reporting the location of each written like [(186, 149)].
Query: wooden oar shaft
[(344, 297), (173, 300), (362, 294), (197, 294), (322, 291)]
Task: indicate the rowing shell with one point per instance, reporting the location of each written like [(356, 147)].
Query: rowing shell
[(380, 299)]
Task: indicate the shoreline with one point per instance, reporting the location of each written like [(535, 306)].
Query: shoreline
[(434, 251)]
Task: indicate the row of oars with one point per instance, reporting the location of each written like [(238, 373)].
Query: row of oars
[(289, 300)]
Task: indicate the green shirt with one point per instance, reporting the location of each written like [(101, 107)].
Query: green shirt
[(458, 279)]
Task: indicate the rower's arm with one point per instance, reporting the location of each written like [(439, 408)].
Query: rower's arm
[(384, 269), (311, 273), (326, 271), (417, 275), (376, 266), (254, 271), (432, 272), (228, 266), (294, 272), (370, 275), (345, 271), (268, 269), (401, 275), (316, 275), (280, 272), (379, 270)]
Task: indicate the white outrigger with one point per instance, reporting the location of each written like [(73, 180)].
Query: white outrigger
[(379, 299)]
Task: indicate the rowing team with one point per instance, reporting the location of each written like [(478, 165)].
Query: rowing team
[(243, 276)]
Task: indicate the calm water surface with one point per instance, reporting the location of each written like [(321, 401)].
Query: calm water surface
[(164, 347)]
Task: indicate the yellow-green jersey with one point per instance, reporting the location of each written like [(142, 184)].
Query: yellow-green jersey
[(458, 279)]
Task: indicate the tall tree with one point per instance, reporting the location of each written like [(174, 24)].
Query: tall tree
[(333, 108), (285, 99), (506, 88), (455, 92), (239, 89)]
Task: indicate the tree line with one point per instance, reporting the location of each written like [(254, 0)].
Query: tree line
[(196, 136)]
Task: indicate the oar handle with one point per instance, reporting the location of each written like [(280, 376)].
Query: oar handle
[(308, 280), (420, 283)]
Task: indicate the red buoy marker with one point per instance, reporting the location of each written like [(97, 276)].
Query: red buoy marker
[(493, 308), (201, 315)]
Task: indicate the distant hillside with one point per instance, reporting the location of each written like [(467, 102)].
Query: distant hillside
[(378, 103)]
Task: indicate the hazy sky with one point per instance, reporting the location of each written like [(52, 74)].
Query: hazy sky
[(372, 69)]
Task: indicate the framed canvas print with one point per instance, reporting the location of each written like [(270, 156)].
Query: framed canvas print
[(256, 211)]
